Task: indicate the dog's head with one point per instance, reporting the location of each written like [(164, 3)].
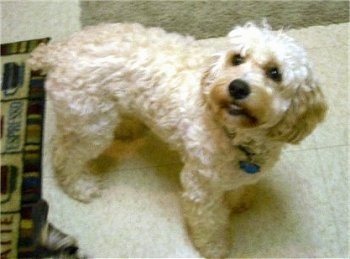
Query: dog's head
[(264, 80)]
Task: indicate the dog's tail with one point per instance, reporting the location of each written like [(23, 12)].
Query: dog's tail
[(43, 57)]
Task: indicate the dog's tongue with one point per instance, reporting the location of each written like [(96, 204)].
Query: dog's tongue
[(235, 110)]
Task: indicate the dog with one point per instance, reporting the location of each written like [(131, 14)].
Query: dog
[(228, 113)]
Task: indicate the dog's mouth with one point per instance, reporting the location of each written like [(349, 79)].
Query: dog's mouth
[(235, 109)]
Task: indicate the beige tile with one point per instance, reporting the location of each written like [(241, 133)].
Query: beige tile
[(331, 70), (301, 209)]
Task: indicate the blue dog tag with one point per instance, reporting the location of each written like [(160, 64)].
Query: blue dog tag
[(249, 168)]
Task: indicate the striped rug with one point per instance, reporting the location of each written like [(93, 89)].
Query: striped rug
[(22, 118), (25, 231)]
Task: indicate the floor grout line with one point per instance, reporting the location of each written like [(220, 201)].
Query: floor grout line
[(316, 148)]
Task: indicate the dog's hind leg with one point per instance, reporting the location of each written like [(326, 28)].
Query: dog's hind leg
[(73, 149)]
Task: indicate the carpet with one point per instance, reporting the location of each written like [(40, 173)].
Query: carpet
[(212, 18)]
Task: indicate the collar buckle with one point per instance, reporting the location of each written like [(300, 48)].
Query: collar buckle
[(249, 168)]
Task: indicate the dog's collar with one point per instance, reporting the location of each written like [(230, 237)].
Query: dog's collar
[(248, 166), (245, 165)]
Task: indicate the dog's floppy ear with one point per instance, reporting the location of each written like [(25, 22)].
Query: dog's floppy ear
[(307, 109)]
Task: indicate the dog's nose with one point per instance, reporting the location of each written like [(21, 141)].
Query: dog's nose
[(239, 89)]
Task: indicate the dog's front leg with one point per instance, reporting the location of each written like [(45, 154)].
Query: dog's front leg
[(206, 215)]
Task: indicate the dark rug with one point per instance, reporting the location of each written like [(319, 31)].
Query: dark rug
[(22, 118), (25, 232)]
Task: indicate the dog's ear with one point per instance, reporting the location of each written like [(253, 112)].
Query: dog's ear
[(307, 109)]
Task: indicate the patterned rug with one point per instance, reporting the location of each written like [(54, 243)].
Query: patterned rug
[(22, 118), (25, 231)]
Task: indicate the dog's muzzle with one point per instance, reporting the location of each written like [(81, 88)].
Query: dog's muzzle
[(238, 90)]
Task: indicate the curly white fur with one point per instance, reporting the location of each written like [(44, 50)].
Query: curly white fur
[(109, 79)]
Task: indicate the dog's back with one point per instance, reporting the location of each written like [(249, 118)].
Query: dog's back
[(124, 67), (107, 41)]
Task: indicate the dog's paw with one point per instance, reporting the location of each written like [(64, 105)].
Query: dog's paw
[(84, 189), (219, 248), (212, 244)]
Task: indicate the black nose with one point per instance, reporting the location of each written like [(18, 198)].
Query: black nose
[(239, 89)]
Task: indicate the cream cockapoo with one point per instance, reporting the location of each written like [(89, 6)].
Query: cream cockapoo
[(227, 113)]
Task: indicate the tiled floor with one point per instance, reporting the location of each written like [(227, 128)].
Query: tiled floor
[(302, 207)]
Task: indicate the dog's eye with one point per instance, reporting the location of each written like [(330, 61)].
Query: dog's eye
[(237, 60), (274, 74)]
